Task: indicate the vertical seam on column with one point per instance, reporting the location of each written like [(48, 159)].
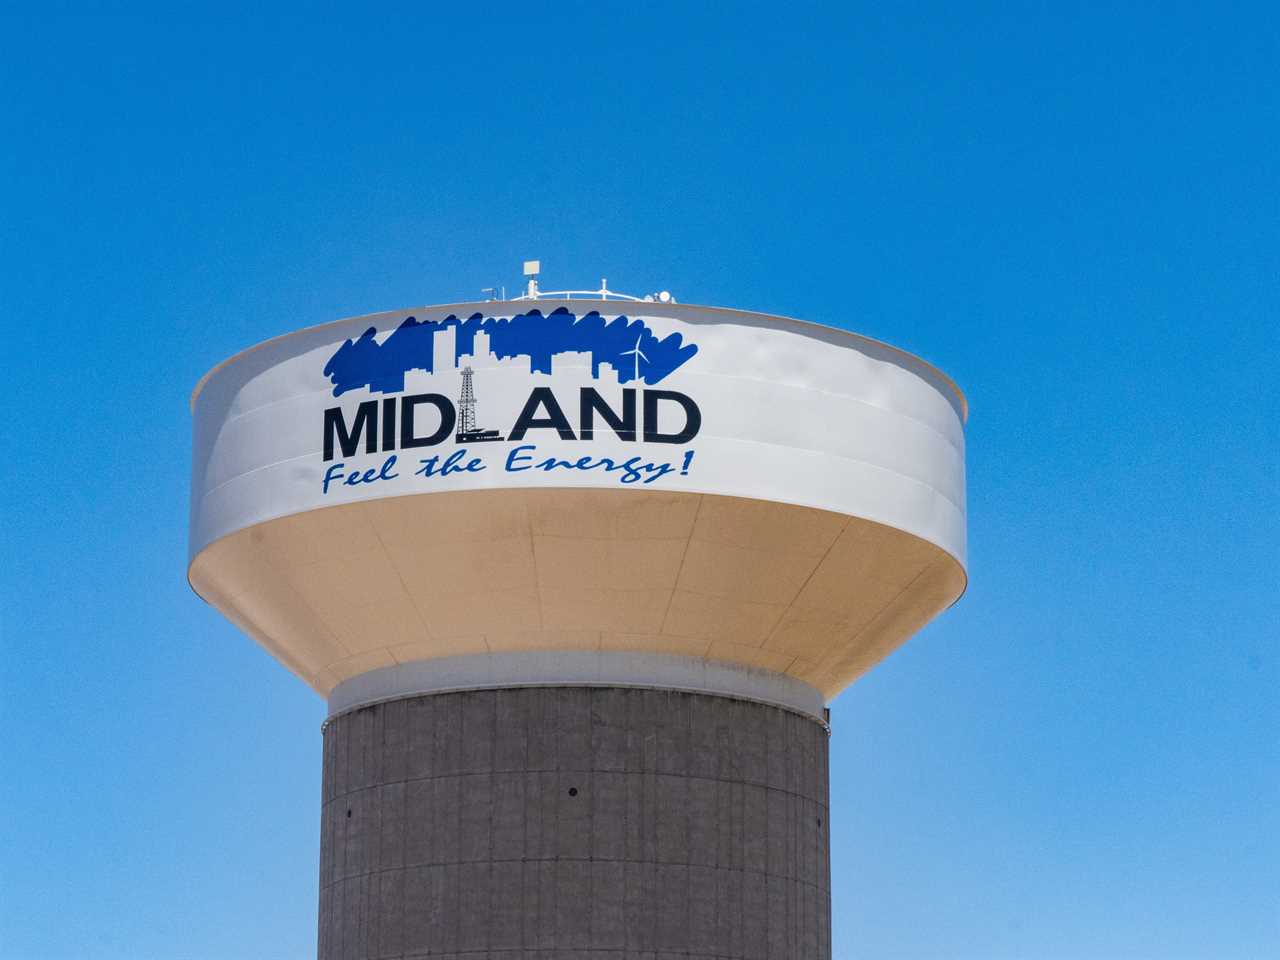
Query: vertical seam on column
[(402, 910), (793, 825), (742, 853), (798, 812), (688, 818), (591, 815), (493, 755), (521, 697), (457, 826), (555, 806), (366, 742), (768, 839)]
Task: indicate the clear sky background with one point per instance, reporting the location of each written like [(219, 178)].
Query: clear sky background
[(1074, 212)]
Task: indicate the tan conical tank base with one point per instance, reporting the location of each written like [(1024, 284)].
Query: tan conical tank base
[(818, 596), (551, 822)]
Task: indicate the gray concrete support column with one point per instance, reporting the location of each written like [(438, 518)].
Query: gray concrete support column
[(574, 822)]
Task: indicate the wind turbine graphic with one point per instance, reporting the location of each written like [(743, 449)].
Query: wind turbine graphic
[(639, 355)]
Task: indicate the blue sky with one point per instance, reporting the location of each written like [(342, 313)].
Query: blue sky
[(1073, 211)]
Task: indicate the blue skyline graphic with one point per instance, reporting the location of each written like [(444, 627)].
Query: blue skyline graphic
[(627, 345)]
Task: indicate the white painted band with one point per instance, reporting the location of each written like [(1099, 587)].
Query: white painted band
[(787, 412), (596, 668)]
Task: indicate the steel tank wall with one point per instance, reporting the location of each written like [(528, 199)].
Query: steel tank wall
[(574, 821), (757, 491)]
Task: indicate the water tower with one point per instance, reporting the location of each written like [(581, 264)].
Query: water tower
[(577, 576)]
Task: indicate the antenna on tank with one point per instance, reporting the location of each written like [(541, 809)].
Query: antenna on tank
[(531, 270), (532, 291)]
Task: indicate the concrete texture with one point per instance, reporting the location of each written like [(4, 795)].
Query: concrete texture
[(576, 668), (571, 822)]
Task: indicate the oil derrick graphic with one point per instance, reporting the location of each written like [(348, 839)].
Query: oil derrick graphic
[(467, 431)]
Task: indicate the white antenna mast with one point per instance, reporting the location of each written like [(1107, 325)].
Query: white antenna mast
[(531, 270)]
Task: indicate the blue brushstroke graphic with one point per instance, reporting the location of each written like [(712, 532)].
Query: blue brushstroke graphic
[(629, 346)]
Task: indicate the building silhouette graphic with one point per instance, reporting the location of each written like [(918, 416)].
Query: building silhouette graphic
[(624, 348)]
